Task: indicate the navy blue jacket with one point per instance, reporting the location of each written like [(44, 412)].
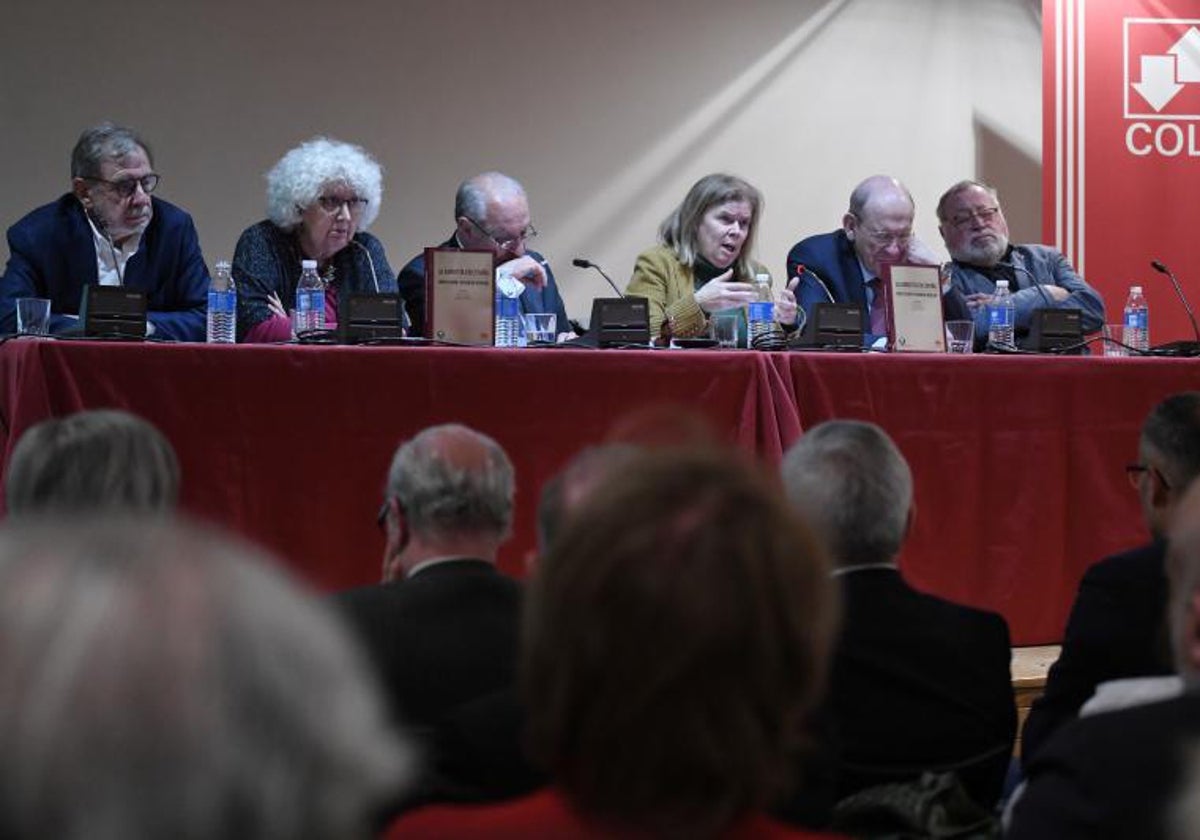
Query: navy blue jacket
[(52, 255), (412, 289), (830, 259)]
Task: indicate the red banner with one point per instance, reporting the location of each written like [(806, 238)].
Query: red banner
[(1121, 159)]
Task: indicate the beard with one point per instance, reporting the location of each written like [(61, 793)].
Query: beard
[(986, 253)]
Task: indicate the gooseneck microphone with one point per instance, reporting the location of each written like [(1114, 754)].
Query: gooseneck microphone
[(370, 262), (579, 262), (112, 247), (1178, 348), (1037, 283)]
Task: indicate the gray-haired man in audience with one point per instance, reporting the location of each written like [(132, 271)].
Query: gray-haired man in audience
[(918, 683)]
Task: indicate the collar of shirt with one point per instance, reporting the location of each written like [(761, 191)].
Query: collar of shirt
[(437, 561), (111, 260)]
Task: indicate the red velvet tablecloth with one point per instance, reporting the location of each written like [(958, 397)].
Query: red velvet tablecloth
[(1018, 461)]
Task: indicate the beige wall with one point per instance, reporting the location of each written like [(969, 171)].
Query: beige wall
[(607, 111)]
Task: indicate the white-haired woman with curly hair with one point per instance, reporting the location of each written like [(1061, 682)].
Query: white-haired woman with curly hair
[(321, 196)]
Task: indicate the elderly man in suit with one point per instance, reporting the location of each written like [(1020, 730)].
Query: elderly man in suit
[(847, 265), (918, 683), (442, 626), (110, 231)]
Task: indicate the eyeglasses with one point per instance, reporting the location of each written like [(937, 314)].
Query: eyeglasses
[(1135, 471), (983, 214), (883, 239), (381, 517), (332, 204), (506, 244), (126, 187)]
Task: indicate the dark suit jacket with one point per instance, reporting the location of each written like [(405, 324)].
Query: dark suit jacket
[(833, 261), (52, 255), (440, 638), (1109, 775), (919, 683), (412, 288), (1117, 629)]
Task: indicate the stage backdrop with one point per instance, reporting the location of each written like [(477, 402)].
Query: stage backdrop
[(1121, 159)]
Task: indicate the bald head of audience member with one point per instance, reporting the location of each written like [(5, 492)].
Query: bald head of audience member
[(158, 680), (449, 494), (676, 634), (92, 460), (853, 486), (1168, 459)]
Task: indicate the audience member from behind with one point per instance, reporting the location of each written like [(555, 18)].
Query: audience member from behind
[(321, 198), (675, 637), (157, 680), (1117, 630), (491, 213), (109, 231), (975, 231), (442, 627), (703, 264), (1116, 774), (847, 265), (918, 683), (91, 461)]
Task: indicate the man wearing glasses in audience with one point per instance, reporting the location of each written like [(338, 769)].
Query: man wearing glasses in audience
[(975, 231), (846, 266), (491, 213), (109, 231)]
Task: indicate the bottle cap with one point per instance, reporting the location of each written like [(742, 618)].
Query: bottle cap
[(1001, 284), (763, 278), (1135, 290), (307, 264), (221, 265)]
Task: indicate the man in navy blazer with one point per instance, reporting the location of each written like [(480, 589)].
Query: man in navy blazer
[(918, 683), (842, 266), (108, 230), (491, 212)]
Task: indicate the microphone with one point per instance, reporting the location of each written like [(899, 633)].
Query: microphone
[(370, 262), (799, 270), (1037, 284), (579, 262), (1177, 348), (112, 248)]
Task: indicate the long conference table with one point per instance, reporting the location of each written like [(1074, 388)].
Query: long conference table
[(1018, 461)]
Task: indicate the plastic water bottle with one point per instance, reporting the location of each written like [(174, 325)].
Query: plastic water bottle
[(1137, 320), (761, 315), (310, 299), (1002, 314), (508, 309), (222, 306)]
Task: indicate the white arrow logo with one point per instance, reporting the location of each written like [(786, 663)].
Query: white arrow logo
[(1158, 85), (1163, 76)]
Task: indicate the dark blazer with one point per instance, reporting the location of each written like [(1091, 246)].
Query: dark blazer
[(412, 288), (919, 683), (52, 255), (831, 258), (1117, 629), (833, 270), (439, 638), (1109, 775)]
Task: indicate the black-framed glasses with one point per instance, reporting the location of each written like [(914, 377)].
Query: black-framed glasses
[(983, 214), (506, 244), (1135, 471), (126, 187), (332, 204)]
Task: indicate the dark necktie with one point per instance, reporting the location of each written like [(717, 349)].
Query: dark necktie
[(878, 308)]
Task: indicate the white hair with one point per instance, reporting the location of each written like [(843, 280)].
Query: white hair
[(852, 484), (296, 181)]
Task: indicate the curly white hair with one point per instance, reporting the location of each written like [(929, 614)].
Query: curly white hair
[(299, 177)]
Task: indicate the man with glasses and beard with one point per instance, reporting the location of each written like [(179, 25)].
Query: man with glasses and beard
[(975, 231), (109, 231), (846, 265), (491, 213)]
